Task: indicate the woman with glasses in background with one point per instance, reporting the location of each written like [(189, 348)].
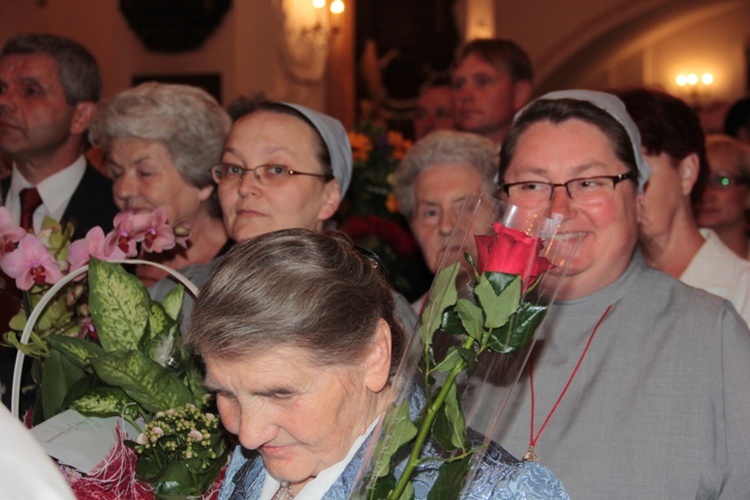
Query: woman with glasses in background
[(725, 200), (282, 166)]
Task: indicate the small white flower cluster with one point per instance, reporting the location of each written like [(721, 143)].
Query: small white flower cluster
[(178, 433)]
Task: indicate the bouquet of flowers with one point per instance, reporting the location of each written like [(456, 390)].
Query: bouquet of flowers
[(106, 349), (474, 336), (370, 212)]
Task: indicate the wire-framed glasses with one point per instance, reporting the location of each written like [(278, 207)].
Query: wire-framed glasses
[(271, 174), (582, 190)]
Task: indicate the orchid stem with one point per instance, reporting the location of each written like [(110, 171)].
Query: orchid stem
[(429, 418)]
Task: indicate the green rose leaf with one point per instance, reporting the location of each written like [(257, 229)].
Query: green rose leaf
[(106, 402), (451, 323), (499, 295), (433, 311), (448, 429), (450, 479), (382, 487), (519, 330), (403, 431), (119, 305), (78, 351), (471, 317), (150, 385), (172, 301), (58, 376), (450, 361)]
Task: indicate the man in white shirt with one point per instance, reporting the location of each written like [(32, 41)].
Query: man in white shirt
[(49, 87), (673, 145)]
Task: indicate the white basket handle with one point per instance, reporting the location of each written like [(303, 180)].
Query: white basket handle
[(34, 316)]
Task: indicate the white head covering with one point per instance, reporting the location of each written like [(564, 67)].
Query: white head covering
[(336, 140), (614, 107)]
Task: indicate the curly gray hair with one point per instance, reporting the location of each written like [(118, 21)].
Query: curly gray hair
[(185, 119), (445, 147)]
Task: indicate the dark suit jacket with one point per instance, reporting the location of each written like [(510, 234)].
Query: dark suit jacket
[(91, 205)]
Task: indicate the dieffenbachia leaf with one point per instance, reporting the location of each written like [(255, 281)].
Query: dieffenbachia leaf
[(58, 376), (172, 301), (445, 295), (449, 426), (150, 385), (119, 305), (106, 402), (500, 295), (78, 351), (158, 342), (519, 329)]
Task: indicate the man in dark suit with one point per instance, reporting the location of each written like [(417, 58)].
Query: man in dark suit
[(49, 87)]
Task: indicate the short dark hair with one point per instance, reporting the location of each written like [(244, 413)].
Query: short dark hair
[(738, 117), (501, 53), (76, 67), (561, 110), (668, 125), (295, 287)]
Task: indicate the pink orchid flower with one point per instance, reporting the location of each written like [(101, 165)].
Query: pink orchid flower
[(31, 263), (10, 233), (93, 245), (128, 225), (158, 236)]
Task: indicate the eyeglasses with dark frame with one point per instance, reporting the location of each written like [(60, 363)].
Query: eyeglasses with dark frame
[(722, 182), (582, 190), (271, 174)]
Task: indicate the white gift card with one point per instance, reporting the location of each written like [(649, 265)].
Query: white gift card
[(78, 441)]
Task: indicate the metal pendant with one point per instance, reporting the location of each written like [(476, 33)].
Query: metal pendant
[(530, 456)]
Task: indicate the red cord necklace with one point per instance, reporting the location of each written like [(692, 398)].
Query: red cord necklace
[(530, 456)]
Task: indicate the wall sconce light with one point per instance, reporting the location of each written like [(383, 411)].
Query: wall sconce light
[(697, 88), (334, 11)]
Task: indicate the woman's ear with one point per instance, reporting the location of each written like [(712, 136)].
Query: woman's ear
[(204, 193), (378, 360), (331, 200)]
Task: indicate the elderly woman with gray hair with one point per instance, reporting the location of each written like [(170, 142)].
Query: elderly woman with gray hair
[(159, 141), (300, 346), (432, 182)]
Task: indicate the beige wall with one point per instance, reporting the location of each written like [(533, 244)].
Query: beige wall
[(244, 49), (575, 43), (602, 44)]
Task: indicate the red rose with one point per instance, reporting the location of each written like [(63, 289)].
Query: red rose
[(513, 252)]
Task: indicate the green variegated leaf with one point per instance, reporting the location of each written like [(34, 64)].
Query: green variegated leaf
[(433, 311), (403, 430), (450, 361), (450, 480), (106, 402), (449, 426), (150, 385), (471, 317), (160, 338), (78, 351), (58, 376), (119, 305), (172, 301), (519, 330), (500, 295)]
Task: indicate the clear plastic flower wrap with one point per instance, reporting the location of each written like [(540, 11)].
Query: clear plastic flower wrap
[(499, 273)]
